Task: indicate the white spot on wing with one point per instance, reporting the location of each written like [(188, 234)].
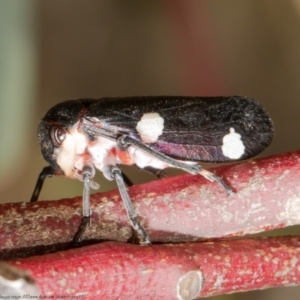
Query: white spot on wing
[(150, 127), (233, 146)]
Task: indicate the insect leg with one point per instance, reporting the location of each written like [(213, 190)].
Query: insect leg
[(127, 141), (87, 173), (46, 172), (117, 175)]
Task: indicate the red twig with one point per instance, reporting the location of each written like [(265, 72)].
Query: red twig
[(175, 271), (180, 209)]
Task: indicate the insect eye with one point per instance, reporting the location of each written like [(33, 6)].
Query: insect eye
[(58, 135)]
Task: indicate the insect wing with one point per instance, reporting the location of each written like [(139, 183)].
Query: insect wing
[(212, 129)]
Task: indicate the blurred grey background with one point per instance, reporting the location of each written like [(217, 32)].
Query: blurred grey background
[(54, 50)]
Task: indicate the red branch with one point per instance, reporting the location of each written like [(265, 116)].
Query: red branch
[(180, 209), (175, 271)]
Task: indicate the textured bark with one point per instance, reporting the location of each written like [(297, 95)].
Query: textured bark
[(171, 271), (178, 209)]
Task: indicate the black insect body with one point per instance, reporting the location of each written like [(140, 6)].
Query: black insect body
[(78, 136)]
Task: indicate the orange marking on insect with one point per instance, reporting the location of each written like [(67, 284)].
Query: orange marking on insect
[(125, 157), (112, 152), (86, 157)]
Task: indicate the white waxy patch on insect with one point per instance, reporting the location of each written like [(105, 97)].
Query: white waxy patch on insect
[(233, 146), (143, 159), (100, 153), (150, 127), (70, 150)]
